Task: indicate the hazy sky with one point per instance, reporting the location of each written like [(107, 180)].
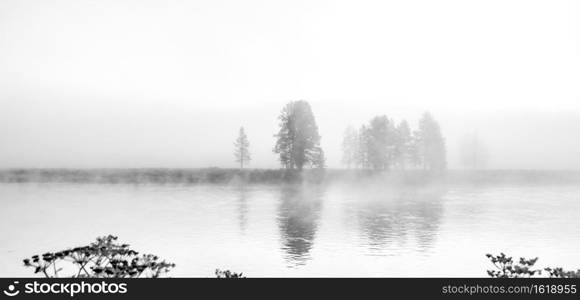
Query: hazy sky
[(168, 83)]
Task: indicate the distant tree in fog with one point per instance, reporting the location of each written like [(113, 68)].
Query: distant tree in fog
[(298, 141), (472, 151), (241, 149), (379, 139), (350, 145), (431, 143), (362, 149), (402, 144), (415, 154)]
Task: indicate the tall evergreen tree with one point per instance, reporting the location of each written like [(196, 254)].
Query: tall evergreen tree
[(241, 149), (362, 149), (403, 145), (415, 153), (349, 147), (297, 141), (432, 143), (472, 152), (378, 134)]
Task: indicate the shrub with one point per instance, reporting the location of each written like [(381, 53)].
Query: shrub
[(228, 274), (104, 258), (505, 268), (560, 273)]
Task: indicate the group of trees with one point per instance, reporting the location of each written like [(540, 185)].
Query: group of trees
[(297, 141), (383, 144)]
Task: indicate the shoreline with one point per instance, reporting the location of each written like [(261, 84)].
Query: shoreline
[(280, 176)]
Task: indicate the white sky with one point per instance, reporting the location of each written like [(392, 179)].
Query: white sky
[(168, 83)]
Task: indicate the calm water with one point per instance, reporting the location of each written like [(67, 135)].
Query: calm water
[(267, 230)]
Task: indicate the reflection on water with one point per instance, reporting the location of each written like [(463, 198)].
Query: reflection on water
[(429, 211), (242, 192), (274, 230), (298, 216), (386, 220)]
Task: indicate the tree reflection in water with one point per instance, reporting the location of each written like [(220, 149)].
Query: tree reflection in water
[(242, 192), (389, 220), (298, 216)]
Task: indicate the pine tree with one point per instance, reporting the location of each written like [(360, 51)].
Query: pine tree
[(378, 143), (472, 152), (362, 149), (297, 141), (414, 150), (402, 144), (241, 149), (349, 147), (432, 144)]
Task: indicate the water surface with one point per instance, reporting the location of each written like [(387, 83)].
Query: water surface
[(298, 230)]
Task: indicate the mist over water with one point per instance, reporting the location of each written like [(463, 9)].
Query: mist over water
[(335, 229)]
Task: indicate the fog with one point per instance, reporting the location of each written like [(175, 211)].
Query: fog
[(169, 83)]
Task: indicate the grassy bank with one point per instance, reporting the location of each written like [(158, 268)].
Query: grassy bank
[(274, 176)]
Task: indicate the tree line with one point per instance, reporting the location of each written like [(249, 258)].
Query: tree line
[(381, 144)]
